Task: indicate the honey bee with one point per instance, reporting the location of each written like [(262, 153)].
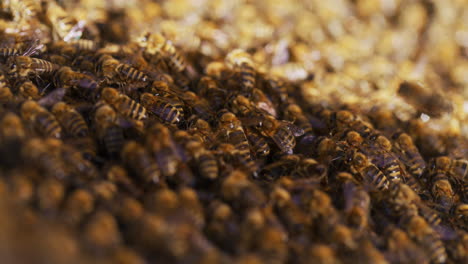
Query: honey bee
[(324, 149), (197, 105), (167, 110), (33, 48), (108, 131), (460, 211), (11, 128), (47, 156), (29, 90), (210, 89), (424, 100), (357, 204), (139, 160), (101, 232), (218, 70), (157, 43), (258, 143), (21, 187), (459, 168), (283, 133), (295, 114), (42, 120), (86, 145), (402, 200), (221, 224), (156, 61), (118, 175), (390, 166), (409, 154), (123, 104), (161, 146), (321, 254), (191, 205), (72, 121), (127, 209), (352, 138), (82, 169), (431, 217), (84, 44), (402, 248), (206, 161), (457, 247), (65, 77), (441, 187), (339, 120), (262, 102), (51, 193), (379, 153), (110, 68), (359, 164), (182, 81), (384, 120), (342, 236), (277, 89), (240, 62), (241, 192), (78, 204), (419, 230), (294, 219), (231, 131), (163, 202), (103, 190), (3, 80), (200, 129), (24, 66), (343, 120)]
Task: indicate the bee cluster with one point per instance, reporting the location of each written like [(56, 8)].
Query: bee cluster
[(233, 131)]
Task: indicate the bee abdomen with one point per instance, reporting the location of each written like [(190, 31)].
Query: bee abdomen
[(131, 73), (376, 177), (431, 217), (285, 138), (437, 249), (176, 61), (84, 44), (7, 52), (76, 125), (208, 166), (393, 172), (167, 112), (131, 108), (247, 75), (48, 125), (113, 140), (44, 66)]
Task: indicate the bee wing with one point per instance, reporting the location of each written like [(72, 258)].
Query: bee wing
[(445, 232), (33, 48), (460, 168), (296, 131), (53, 97), (76, 31), (281, 144)]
